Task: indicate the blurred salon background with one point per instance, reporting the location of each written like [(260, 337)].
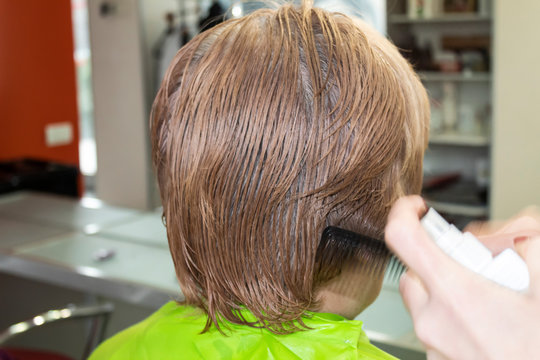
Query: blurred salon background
[(80, 219)]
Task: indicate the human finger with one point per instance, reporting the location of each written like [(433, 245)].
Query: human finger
[(406, 237), (527, 220), (482, 228), (413, 293), (529, 250), (498, 242), (499, 235)]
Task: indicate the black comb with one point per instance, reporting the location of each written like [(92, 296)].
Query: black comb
[(339, 246)]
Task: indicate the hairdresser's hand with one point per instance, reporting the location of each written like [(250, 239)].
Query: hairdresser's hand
[(458, 314), (499, 235)]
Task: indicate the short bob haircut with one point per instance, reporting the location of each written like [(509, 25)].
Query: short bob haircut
[(267, 129)]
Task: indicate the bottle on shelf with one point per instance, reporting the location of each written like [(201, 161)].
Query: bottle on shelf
[(449, 107)]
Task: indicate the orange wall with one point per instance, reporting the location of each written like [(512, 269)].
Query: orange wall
[(37, 78)]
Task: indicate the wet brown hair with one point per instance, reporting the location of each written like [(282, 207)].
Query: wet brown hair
[(267, 129)]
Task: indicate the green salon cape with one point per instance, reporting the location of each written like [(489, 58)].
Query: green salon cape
[(173, 332)]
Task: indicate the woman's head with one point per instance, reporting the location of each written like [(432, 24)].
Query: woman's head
[(267, 129)]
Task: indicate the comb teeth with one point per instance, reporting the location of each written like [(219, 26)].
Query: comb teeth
[(393, 273), (338, 246)]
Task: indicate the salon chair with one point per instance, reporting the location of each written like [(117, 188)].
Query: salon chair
[(97, 314)]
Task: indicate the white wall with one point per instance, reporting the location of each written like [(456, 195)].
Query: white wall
[(516, 130), (120, 110)]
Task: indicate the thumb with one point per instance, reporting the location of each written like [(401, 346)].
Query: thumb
[(529, 250), (406, 237)]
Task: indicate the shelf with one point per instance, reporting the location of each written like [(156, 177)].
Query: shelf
[(440, 19), (458, 139), (455, 77), (462, 198), (459, 209), (458, 188)]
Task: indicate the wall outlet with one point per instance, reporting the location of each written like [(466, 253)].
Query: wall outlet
[(58, 134)]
